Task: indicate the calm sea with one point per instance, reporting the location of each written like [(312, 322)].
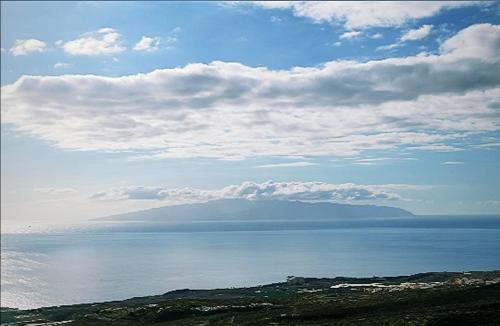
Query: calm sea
[(114, 262)]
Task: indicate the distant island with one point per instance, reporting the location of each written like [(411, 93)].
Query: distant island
[(465, 298), (260, 210)]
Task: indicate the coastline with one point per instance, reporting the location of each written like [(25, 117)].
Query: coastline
[(423, 299)]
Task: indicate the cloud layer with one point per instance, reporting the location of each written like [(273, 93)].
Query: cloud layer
[(363, 14), (303, 191), (287, 165), (232, 111)]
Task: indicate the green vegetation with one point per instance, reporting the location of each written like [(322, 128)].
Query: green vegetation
[(422, 299)]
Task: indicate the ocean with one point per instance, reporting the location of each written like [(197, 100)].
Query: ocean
[(119, 261)]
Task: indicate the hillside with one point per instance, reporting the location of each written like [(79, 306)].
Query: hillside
[(471, 298), (265, 210)]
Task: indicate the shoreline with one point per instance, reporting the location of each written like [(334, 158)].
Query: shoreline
[(298, 299)]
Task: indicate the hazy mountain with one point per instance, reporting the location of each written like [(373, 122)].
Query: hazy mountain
[(241, 209)]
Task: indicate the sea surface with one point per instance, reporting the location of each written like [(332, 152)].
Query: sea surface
[(116, 261)]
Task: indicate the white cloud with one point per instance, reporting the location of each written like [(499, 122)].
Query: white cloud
[(376, 36), (288, 165), (388, 47), (303, 191), (417, 34), (350, 35), (23, 47), (276, 19), (437, 148), (63, 65), (337, 43), (363, 14), (105, 41), (488, 145), (370, 161), (148, 44), (452, 163), (3, 50), (106, 30), (232, 111), (411, 35), (373, 159), (471, 44)]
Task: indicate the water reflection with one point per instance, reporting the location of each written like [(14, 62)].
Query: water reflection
[(42, 269)]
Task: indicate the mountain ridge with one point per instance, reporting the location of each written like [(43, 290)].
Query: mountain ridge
[(244, 209)]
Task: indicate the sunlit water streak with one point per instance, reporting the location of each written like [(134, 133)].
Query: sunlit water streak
[(109, 263)]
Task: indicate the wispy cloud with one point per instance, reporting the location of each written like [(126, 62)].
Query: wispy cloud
[(371, 160), (56, 190), (411, 35), (389, 47), (490, 203), (487, 145), (63, 65), (287, 165), (437, 148), (350, 35), (153, 44), (417, 34), (148, 44), (452, 163), (276, 19)]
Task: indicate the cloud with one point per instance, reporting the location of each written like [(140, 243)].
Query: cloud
[(452, 163), (63, 65), (388, 47), (376, 36), (24, 47), (362, 14), (437, 148), (303, 191), (350, 35), (471, 42), (288, 165), (55, 190), (371, 160), (148, 44), (411, 35), (487, 145), (489, 202), (233, 111), (276, 19), (417, 34), (105, 41)]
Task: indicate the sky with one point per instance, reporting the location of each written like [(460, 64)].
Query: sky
[(110, 107)]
